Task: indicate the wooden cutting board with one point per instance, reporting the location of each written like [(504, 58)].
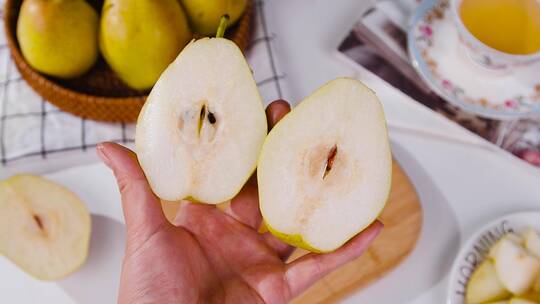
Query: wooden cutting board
[(402, 218)]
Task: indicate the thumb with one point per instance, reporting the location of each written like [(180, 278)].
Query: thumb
[(142, 209)]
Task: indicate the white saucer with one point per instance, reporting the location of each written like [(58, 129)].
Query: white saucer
[(438, 56), (476, 248)]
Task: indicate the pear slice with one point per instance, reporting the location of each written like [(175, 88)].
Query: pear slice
[(532, 242), (517, 239), (325, 169), (484, 285), (44, 228), (201, 129), (518, 300), (517, 269)]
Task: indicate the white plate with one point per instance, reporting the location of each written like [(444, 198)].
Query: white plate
[(476, 248), (439, 57)]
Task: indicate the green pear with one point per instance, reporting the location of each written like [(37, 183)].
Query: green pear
[(139, 39), (205, 14), (58, 37)]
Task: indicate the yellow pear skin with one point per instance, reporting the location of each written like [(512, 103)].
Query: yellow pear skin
[(140, 38), (204, 15), (58, 37)]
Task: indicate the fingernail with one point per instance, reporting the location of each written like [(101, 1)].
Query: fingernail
[(101, 152)]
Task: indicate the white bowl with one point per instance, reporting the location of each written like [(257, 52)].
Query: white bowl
[(476, 248)]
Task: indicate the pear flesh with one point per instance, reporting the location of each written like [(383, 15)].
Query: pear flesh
[(139, 39), (532, 242), (517, 269), (324, 172), (484, 285), (44, 228), (517, 300), (202, 127), (58, 38)]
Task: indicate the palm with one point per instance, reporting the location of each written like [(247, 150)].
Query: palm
[(210, 255), (229, 261)]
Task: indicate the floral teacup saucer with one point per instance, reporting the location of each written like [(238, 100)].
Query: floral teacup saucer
[(437, 54)]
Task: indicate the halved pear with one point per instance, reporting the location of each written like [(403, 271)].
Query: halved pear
[(484, 285), (202, 127), (44, 228), (532, 242), (325, 169), (516, 267)]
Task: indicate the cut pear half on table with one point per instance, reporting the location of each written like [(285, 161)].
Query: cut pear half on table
[(202, 127), (44, 228), (324, 172)]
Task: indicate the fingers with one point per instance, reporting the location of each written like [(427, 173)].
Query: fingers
[(275, 112), (245, 206), (305, 271), (283, 250), (142, 209)]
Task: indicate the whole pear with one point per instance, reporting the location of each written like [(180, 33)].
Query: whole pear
[(139, 39), (205, 14), (58, 37)]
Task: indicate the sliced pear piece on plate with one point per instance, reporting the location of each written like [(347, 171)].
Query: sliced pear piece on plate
[(484, 285), (532, 242), (202, 127), (325, 169), (44, 228), (517, 239), (516, 267)]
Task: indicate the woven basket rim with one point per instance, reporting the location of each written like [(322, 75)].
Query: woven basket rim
[(47, 87)]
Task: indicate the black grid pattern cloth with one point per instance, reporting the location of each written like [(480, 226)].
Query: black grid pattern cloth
[(30, 127)]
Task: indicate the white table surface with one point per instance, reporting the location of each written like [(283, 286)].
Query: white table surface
[(461, 187)]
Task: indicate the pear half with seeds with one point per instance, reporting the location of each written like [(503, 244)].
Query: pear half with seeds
[(44, 228), (202, 127), (324, 172)]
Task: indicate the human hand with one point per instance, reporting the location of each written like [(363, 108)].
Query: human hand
[(210, 255)]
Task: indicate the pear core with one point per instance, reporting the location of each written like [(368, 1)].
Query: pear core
[(324, 172)]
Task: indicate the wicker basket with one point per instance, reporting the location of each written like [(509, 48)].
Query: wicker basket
[(99, 94)]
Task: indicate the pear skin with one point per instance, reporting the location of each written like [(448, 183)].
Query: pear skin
[(58, 38), (139, 39), (204, 15)]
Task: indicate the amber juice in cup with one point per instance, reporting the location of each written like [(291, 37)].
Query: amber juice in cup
[(510, 26)]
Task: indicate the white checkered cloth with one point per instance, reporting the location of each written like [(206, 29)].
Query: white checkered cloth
[(31, 128)]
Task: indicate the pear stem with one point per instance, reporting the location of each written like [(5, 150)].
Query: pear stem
[(223, 22)]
